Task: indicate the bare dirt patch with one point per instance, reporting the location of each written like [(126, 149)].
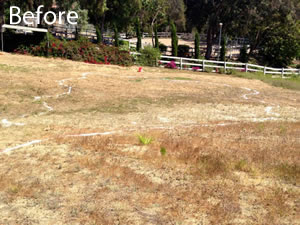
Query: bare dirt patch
[(225, 150)]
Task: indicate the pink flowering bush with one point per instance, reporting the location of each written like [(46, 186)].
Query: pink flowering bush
[(171, 65)]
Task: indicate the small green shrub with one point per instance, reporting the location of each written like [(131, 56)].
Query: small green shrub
[(231, 71), (221, 71), (174, 39), (242, 165), (244, 54), (145, 140), (223, 49), (124, 45), (99, 35), (156, 37), (163, 48), (163, 151), (149, 56), (116, 37), (183, 50), (197, 45), (139, 35), (208, 69)]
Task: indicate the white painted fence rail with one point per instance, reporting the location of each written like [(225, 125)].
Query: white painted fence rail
[(201, 65)]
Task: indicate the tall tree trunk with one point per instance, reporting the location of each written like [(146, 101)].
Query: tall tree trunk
[(209, 42), (102, 26), (254, 44)]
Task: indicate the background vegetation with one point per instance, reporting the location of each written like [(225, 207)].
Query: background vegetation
[(272, 27)]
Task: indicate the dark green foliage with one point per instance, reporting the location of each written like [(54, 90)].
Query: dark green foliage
[(183, 50), (244, 54), (99, 35), (13, 40), (81, 50), (139, 36), (156, 37), (163, 151), (280, 46), (116, 36), (223, 49), (162, 47), (174, 39), (197, 46), (149, 56), (77, 35)]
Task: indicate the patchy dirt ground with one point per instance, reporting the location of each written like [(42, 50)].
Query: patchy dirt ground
[(222, 150)]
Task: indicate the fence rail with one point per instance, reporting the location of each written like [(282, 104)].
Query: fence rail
[(202, 65)]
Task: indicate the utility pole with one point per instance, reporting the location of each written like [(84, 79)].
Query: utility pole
[(220, 37)]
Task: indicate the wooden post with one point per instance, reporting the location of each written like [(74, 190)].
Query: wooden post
[(265, 70), (246, 68), (225, 67), (2, 41), (180, 63), (282, 72), (203, 65)]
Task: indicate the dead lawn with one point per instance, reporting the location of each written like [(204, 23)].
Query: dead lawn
[(225, 150)]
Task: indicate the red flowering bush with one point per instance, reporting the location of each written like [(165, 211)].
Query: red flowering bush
[(171, 65), (81, 50)]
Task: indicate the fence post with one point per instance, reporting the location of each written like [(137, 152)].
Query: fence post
[(246, 68), (282, 72), (181, 63), (265, 70), (225, 67), (203, 65)]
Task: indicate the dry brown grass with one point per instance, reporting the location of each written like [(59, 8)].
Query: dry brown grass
[(219, 166), (214, 169)]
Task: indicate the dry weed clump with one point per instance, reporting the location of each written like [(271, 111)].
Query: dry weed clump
[(16, 188)]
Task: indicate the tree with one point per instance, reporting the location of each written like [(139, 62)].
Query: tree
[(99, 35), (96, 11), (139, 35), (244, 54), (176, 12), (197, 45), (280, 46), (174, 39), (156, 37), (223, 49), (271, 27), (153, 12), (122, 13), (116, 36), (82, 21)]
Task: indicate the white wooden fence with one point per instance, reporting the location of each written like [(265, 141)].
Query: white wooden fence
[(215, 66), (201, 65)]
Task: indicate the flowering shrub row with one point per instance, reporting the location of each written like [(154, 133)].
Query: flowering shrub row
[(81, 50), (171, 65)]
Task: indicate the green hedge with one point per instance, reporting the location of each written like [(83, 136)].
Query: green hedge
[(149, 56), (12, 40), (183, 51)]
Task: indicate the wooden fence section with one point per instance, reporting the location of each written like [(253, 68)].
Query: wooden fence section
[(201, 65), (214, 66)]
